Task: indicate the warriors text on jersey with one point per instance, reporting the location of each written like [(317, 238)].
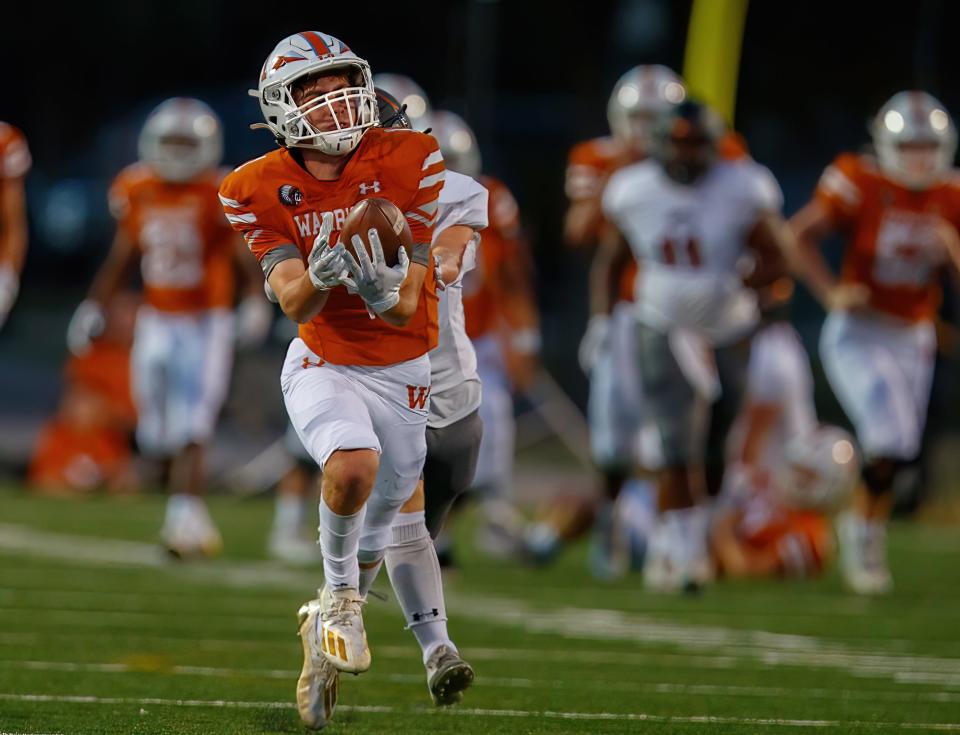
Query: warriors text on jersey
[(278, 207)]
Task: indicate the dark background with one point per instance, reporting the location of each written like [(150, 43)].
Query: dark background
[(531, 77)]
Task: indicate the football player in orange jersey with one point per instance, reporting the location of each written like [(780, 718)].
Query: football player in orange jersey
[(614, 407), (356, 381), (781, 529), (169, 220), (503, 323), (14, 165), (898, 212)]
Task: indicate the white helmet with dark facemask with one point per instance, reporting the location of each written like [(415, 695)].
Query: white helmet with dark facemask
[(915, 139), (457, 142), (640, 96), (181, 139), (352, 109)]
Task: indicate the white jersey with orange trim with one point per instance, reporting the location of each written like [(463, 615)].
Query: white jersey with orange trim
[(689, 239), (455, 386)]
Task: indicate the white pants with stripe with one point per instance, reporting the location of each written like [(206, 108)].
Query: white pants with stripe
[(881, 373)]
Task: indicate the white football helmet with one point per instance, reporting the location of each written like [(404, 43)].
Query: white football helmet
[(639, 96), (457, 142), (820, 470), (408, 93), (181, 139), (915, 139), (303, 55)]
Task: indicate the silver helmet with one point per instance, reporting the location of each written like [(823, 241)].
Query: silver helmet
[(457, 142), (638, 98), (915, 139), (407, 92), (181, 139)]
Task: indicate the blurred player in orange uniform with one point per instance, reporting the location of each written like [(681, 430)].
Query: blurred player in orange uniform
[(781, 527), (169, 221), (356, 382), (898, 212), (503, 323), (86, 446), (14, 165)]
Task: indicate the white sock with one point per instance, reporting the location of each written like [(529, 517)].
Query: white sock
[(368, 574), (415, 575), (339, 543), (287, 514)]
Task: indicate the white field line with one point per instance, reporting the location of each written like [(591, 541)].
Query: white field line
[(665, 688), (478, 712), (766, 648)]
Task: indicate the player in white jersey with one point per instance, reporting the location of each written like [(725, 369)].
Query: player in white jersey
[(704, 231)]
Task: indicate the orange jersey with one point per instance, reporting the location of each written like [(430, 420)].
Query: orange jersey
[(278, 206), (801, 540), (498, 242), (81, 458), (186, 247), (105, 371), (15, 158), (891, 244)]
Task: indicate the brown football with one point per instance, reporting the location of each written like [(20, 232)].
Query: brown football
[(386, 218)]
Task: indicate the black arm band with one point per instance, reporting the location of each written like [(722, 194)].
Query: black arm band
[(421, 254)]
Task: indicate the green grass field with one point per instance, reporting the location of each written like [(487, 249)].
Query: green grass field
[(100, 634)]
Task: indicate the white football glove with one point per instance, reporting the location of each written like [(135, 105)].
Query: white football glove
[(254, 319), (325, 264), (86, 325), (438, 273), (594, 342), (9, 286), (377, 283)]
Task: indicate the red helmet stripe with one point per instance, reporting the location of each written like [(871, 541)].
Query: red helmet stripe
[(318, 44)]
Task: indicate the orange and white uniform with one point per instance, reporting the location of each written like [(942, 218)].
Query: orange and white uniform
[(880, 362), (349, 381), (485, 323), (802, 541), (183, 342)]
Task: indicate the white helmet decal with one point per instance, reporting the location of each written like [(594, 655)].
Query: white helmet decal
[(293, 60)]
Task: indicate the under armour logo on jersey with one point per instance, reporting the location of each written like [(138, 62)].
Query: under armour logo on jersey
[(417, 396), (318, 363), (365, 188)]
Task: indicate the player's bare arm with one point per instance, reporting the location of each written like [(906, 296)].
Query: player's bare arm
[(613, 253), (298, 297), (581, 221), (450, 247), (768, 241), (809, 227), (735, 558), (13, 221), (410, 291)]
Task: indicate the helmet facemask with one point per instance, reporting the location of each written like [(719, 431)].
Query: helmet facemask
[(332, 122)]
